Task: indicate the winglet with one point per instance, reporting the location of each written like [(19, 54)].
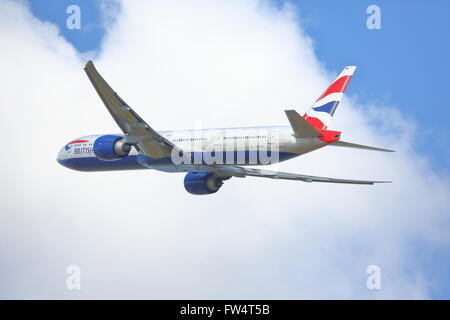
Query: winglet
[(301, 127)]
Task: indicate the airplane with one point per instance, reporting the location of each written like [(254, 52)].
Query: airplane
[(209, 156)]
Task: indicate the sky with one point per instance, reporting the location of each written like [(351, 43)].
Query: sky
[(222, 64), (392, 68)]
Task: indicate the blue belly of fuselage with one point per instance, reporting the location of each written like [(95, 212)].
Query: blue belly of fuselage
[(133, 162)]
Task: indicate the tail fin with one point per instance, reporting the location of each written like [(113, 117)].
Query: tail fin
[(321, 112)]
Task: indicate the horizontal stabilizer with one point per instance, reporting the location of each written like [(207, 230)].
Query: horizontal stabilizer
[(301, 127), (357, 146)]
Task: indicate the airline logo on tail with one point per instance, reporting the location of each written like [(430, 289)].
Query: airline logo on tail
[(321, 112)]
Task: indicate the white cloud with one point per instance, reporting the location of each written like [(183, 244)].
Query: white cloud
[(139, 234)]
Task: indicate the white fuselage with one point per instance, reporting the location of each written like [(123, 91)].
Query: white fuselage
[(234, 146)]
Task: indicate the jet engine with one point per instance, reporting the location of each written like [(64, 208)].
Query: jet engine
[(111, 147), (202, 182)]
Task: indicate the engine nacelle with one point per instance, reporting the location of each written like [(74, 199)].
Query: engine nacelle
[(202, 183), (110, 147)]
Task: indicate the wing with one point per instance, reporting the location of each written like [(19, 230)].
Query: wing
[(242, 172), (137, 131)]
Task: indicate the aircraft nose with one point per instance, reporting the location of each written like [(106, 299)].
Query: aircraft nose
[(61, 156), (58, 157)]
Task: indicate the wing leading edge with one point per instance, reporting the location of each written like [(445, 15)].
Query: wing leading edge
[(137, 131), (241, 172)]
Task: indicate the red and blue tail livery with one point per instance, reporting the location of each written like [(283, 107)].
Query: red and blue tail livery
[(209, 157), (321, 112)]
